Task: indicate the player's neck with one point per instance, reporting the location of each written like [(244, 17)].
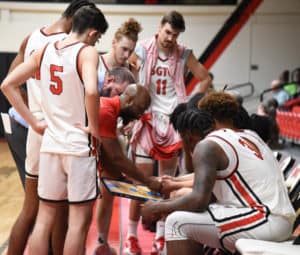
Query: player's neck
[(224, 124), (71, 39), (162, 49), (61, 25), (110, 60)]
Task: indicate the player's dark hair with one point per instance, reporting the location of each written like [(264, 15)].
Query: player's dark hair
[(175, 19), (122, 74), (89, 17), (176, 112), (193, 101), (74, 6), (195, 120)]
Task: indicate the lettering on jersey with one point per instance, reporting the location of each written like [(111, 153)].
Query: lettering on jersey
[(246, 143), (161, 84), (56, 87)]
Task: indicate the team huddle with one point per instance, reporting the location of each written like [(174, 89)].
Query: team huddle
[(79, 105)]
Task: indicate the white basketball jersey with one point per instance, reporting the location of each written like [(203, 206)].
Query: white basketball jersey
[(103, 68), (162, 89), (252, 180), (37, 40), (63, 101)]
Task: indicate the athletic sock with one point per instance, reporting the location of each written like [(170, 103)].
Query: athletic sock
[(132, 228), (160, 229), (102, 239)]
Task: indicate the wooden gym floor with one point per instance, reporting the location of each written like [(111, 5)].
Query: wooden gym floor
[(11, 193)]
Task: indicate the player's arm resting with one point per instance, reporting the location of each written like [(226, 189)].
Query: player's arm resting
[(19, 58), (206, 161), (170, 183), (88, 63), (199, 72), (11, 88), (113, 150)]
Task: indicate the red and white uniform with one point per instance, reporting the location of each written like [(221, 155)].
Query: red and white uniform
[(36, 40), (252, 200), (63, 101), (64, 144), (252, 181), (162, 90), (154, 136)]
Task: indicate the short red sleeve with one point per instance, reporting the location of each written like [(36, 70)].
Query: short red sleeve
[(108, 116)]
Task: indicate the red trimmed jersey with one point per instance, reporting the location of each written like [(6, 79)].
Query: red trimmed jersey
[(38, 39), (251, 187), (63, 101)]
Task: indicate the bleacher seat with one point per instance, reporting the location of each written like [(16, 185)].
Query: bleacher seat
[(251, 246), (277, 155), (286, 163)]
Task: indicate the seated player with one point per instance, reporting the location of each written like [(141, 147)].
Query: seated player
[(237, 168)]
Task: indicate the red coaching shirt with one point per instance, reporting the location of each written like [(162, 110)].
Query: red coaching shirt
[(108, 116)]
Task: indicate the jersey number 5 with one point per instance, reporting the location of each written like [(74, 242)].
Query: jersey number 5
[(56, 87)]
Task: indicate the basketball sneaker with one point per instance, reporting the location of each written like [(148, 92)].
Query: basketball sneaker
[(104, 249), (158, 246), (132, 246)]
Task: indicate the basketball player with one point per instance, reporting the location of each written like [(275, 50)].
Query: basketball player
[(239, 170), (129, 106), (161, 63), (123, 44), (69, 97), (26, 219)]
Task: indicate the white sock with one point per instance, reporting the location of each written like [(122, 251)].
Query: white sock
[(102, 239), (132, 228), (160, 229)]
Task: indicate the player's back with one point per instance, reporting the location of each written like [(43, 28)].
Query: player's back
[(38, 39), (253, 178), (63, 101)]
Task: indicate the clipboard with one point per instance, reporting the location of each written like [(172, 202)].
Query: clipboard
[(122, 188)]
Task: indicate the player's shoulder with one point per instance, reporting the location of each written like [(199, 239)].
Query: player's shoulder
[(112, 103)]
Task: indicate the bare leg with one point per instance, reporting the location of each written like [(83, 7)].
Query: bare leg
[(180, 247), (104, 213), (60, 228), (168, 167), (39, 242), (135, 206), (79, 222), (26, 219)]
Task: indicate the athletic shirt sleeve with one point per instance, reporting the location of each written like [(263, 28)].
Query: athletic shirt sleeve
[(140, 51), (108, 116)]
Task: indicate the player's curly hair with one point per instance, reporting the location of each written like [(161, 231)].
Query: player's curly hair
[(221, 105), (131, 28)]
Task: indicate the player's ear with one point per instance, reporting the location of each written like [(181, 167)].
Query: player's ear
[(109, 78)]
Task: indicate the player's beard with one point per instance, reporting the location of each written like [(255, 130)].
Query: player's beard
[(127, 115), (105, 92)]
